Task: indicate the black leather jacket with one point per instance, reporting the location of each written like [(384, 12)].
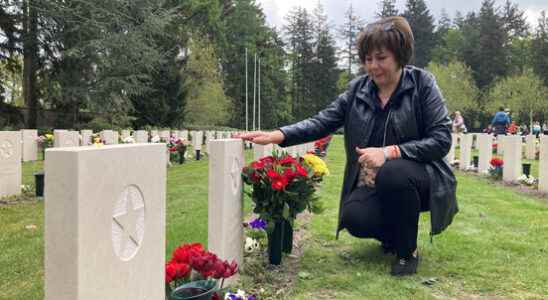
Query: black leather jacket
[(421, 123)]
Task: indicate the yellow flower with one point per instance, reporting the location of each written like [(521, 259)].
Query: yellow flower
[(49, 136), (317, 164)]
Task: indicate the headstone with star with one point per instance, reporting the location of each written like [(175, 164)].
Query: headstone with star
[(141, 136), (66, 138), (512, 169), (29, 138), (105, 222), (260, 151), (10, 163), (86, 137), (225, 214), (543, 164)]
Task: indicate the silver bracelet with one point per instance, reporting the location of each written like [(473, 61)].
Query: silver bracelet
[(385, 151)]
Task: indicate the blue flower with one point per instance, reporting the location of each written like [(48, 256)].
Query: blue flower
[(258, 224)]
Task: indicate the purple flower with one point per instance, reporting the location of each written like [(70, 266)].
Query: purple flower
[(251, 297), (258, 224)]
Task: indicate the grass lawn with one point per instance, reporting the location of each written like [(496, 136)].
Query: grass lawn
[(495, 249)]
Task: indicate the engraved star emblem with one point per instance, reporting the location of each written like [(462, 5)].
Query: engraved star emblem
[(6, 149), (128, 223), (235, 173)]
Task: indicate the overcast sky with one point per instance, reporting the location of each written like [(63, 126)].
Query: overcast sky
[(275, 10)]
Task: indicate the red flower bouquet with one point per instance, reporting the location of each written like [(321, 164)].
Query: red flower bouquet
[(191, 261), (283, 186), (496, 168)]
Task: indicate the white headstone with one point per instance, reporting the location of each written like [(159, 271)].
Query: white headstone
[(164, 135), (86, 137), (56, 133), (197, 139), (125, 133), (210, 136), (485, 143), (108, 136), (512, 168), (543, 164), (105, 222), (29, 138), (64, 138), (451, 155), (10, 163), (184, 134), (261, 151), (141, 136), (465, 151), (225, 210), (531, 147), (154, 133)]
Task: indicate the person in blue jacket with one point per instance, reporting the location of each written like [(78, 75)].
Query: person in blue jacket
[(500, 122)]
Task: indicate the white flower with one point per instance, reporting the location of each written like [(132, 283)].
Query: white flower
[(251, 245), (240, 293)]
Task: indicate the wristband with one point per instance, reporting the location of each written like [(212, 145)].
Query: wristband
[(385, 152)]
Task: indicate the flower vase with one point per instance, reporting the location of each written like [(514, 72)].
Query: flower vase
[(195, 290), (39, 183), (287, 244), (275, 243)]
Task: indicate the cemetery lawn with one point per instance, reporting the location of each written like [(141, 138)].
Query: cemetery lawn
[(496, 248)]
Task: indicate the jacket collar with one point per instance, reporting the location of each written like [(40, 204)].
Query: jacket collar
[(369, 89)]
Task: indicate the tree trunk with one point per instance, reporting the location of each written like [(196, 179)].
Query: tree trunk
[(30, 62)]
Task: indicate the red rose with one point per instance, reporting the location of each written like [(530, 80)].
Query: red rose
[(183, 270), (257, 165), (272, 174), (301, 171), (279, 183), (289, 174), (287, 160), (171, 272)]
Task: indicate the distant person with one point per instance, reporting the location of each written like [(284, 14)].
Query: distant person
[(536, 129), (458, 123), (500, 122), (397, 134), (545, 128)]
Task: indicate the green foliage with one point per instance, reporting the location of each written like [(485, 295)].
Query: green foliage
[(523, 93), (387, 8), (540, 48), (422, 24), (206, 103), (457, 85)]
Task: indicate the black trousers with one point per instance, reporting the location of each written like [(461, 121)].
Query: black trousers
[(390, 211)]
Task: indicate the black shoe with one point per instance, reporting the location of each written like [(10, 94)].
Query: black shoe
[(388, 249), (405, 266)]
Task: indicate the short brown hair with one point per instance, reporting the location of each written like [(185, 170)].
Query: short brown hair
[(392, 33)]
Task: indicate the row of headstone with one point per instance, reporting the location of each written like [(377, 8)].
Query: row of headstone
[(511, 146), (260, 151), (105, 218)]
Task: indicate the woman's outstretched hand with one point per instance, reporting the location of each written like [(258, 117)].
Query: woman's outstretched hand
[(261, 137)]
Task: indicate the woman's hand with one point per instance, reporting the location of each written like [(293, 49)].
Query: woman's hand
[(261, 137), (373, 157)]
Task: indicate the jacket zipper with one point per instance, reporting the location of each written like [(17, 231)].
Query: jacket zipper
[(386, 127)]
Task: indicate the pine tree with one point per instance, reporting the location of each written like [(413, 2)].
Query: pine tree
[(348, 33), (299, 32), (387, 9), (540, 48), (422, 24), (206, 103)]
